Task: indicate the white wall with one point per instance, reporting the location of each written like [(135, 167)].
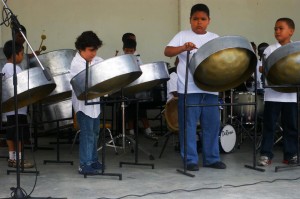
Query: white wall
[(154, 22), (253, 19)]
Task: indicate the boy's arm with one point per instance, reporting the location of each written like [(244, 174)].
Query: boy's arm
[(171, 51)]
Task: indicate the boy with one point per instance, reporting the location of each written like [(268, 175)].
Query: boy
[(8, 71), (129, 47), (277, 103), (191, 40), (88, 116)]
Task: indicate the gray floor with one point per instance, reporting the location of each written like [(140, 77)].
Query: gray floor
[(63, 181)]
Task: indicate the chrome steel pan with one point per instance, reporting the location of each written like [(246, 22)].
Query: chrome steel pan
[(59, 63), (223, 63), (32, 87), (106, 77), (153, 74), (283, 67), (57, 111)]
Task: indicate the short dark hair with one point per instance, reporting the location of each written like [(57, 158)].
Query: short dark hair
[(88, 39), (8, 49), (199, 8), (129, 43), (127, 36), (261, 48), (288, 21)]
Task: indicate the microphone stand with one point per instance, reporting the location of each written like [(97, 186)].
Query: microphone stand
[(184, 119), (18, 192)]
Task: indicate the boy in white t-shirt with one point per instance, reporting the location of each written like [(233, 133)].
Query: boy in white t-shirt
[(277, 103), (209, 116), (23, 130)]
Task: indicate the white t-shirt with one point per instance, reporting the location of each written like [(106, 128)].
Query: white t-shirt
[(8, 70), (78, 65), (171, 85), (272, 95), (198, 39)]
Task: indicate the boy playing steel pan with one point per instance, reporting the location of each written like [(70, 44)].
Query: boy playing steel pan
[(277, 103), (190, 40), (88, 116)]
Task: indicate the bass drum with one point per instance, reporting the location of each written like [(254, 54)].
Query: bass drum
[(227, 139)]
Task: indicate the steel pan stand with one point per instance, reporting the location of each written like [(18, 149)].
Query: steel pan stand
[(254, 165), (104, 149), (57, 145), (135, 142), (298, 134), (184, 171), (103, 134)]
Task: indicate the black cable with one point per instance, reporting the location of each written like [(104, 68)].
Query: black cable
[(204, 188)]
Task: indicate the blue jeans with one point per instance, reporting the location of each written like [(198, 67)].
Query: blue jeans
[(209, 117), (288, 112), (88, 138)]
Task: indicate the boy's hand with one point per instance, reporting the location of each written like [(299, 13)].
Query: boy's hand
[(188, 46)]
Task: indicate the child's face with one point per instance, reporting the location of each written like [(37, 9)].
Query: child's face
[(88, 53), (129, 51), (199, 22), (283, 32), (19, 57)]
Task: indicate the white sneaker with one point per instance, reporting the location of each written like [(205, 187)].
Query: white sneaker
[(264, 161)]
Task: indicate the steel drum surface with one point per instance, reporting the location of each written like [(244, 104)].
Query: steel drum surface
[(283, 67), (59, 63), (106, 77), (57, 111), (223, 63), (32, 87), (153, 74)]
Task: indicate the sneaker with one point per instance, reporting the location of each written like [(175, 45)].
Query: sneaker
[(11, 163), (97, 165), (192, 167), (151, 136), (87, 170), (291, 161), (217, 165), (264, 161), (26, 164)]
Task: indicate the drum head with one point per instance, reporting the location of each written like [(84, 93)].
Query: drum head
[(227, 138), (171, 114)]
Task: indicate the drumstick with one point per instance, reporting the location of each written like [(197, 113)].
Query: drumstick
[(43, 37), (116, 53)]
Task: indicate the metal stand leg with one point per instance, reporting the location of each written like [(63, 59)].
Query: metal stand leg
[(103, 153), (136, 144), (57, 149)]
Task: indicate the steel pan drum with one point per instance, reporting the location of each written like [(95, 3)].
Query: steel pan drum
[(153, 74), (107, 77), (32, 87), (223, 63), (171, 114), (58, 111), (59, 63), (283, 67)]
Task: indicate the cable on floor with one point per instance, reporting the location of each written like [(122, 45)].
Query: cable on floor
[(204, 188)]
